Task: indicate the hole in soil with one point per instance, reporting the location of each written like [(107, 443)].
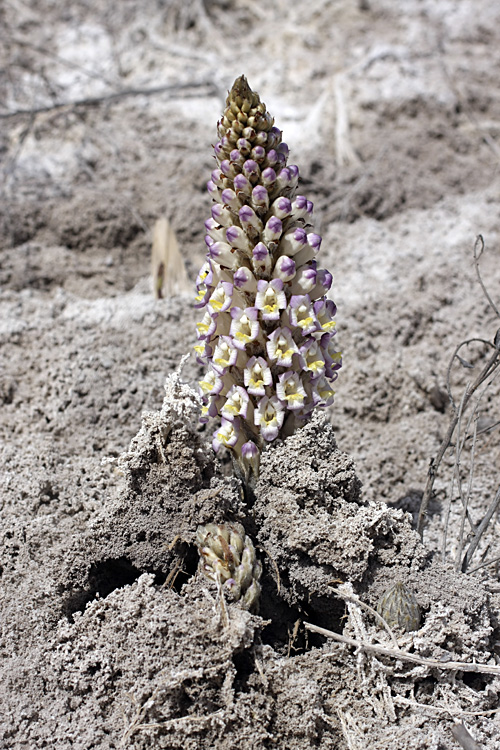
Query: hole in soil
[(425, 687), (105, 577), (327, 612), (115, 573), (286, 632), (245, 667), (475, 681), (108, 575), (183, 568)]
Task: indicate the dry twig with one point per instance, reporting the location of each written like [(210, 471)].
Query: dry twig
[(351, 597), (94, 101), (375, 648), (493, 507), (138, 721), (488, 370), (480, 243), (464, 738), (451, 711)]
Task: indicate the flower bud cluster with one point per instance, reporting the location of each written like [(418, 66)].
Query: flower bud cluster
[(228, 557), (267, 328)]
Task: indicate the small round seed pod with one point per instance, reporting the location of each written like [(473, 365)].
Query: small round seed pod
[(398, 606)]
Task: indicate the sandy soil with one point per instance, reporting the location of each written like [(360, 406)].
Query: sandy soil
[(110, 635)]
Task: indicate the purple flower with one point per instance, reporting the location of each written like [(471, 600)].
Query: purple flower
[(222, 253), (237, 237), (226, 355), (203, 351), (270, 298), (290, 390), (293, 241), (244, 146), (274, 137), (308, 252), (204, 285), (284, 268), (322, 391), (242, 184), (213, 190), (302, 314), (258, 154), (273, 229), (257, 375), (221, 215), (221, 298), (244, 280), (237, 404), (251, 170), (281, 347), (325, 309), (268, 177), (260, 198), (261, 259), (261, 138), (332, 357), (214, 230), (229, 168), (281, 207), (212, 383), (229, 198), (250, 221), (206, 275), (245, 326), (227, 434), (287, 179), (250, 455), (305, 278), (312, 358), (207, 326), (324, 281), (269, 416), (314, 240), (217, 177)]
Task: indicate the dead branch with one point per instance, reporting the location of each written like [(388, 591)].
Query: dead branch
[(480, 241), (490, 367), (400, 700), (62, 60), (464, 738), (495, 503), (484, 564), (465, 502), (356, 600), (375, 648), (454, 475), (95, 101)]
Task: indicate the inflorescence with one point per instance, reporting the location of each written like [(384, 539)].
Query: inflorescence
[(267, 330), (228, 558)]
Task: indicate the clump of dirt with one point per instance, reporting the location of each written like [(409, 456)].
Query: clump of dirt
[(169, 487), (146, 651)]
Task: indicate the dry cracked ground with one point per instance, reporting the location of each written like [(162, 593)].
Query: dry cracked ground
[(110, 636)]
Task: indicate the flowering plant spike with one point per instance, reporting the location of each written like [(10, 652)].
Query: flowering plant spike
[(267, 328)]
